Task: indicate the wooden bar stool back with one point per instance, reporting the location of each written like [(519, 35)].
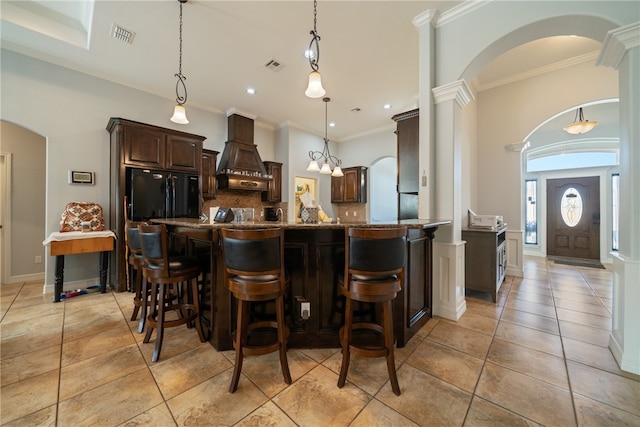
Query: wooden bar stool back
[(174, 285), (254, 272), (374, 273), (137, 285)]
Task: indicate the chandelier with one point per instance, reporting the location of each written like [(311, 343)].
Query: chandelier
[(179, 112), (325, 154), (579, 125), (314, 88)]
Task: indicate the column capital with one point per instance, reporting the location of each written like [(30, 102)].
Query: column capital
[(427, 17), (617, 43), (458, 91)]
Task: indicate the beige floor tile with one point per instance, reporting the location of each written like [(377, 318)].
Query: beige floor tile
[(531, 297), (447, 364), (528, 361), (534, 339), (94, 345), (463, 339), (369, 374), (29, 365), (112, 403), (12, 326), (584, 318), (531, 398), (486, 414), (316, 400), (540, 287), (184, 371), (91, 325), (584, 333), (596, 309), (583, 289), (28, 396), (605, 387), (96, 371), (24, 343), (376, 414), (590, 354), (484, 325), (446, 405), (176, 341), (530, 320), (266, 415), (531, 307), (481, 308), (43, 418), (593, 413), (572, 296), (159, 416), (319, 354), (210, 403)]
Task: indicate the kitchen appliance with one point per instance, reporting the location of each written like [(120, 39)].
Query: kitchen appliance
[(485, 221), (224, 215), (270, 214), (162, 194)]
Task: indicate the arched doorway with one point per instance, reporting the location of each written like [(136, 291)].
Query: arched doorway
[(383, 199)]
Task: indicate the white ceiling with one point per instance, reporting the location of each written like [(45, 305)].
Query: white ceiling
[(368, 54)]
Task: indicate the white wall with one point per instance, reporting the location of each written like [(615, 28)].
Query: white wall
[(71, 111)]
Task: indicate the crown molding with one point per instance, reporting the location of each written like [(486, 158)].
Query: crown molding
[(454, 13), (426, 17), (617, 42), (458, 91)]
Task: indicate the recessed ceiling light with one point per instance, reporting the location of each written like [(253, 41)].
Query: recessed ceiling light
[(332, 124), (251, 91), (387, 106)]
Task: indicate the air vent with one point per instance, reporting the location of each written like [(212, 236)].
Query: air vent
[(274, 65), (123, 34)]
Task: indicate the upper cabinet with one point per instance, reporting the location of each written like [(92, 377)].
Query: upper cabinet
[(209, 158), (147, 146), (350, 188), (407, 127), (274, 187)]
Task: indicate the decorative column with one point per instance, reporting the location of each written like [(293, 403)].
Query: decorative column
[(449, 283), (621, 51)]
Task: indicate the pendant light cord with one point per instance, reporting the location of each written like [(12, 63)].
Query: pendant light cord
[(181, 99)]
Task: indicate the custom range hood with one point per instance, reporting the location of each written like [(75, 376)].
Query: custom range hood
[(240, 167)]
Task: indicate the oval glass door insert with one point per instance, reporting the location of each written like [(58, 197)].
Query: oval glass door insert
[(571, 207)]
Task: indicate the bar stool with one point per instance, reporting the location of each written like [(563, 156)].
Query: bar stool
[(254, 272), (374, 273), (174, 285), (139, 287)]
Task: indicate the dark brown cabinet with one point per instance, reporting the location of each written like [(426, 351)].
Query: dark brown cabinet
[(407, 132), (485, 262), (139, 145), (351, 187), (274, 187), (209, 159)]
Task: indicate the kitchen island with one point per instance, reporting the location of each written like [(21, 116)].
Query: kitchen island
[(314, 258)]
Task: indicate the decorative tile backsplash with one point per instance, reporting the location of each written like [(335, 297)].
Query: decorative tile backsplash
[(242, 199)]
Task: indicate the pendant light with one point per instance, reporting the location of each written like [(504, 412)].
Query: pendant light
[(579, 125), (314, 88), (325, 154), (179, 112)]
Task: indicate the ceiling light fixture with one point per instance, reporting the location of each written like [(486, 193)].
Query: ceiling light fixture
[(314, 88), (325, 153), (179, 112), (579, 125)]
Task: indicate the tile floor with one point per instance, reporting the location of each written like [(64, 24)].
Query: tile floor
[(537, 357)]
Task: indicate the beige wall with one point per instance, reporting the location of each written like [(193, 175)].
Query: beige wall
[(27, 212)]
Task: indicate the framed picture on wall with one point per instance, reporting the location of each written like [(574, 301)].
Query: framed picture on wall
[(77, 177)]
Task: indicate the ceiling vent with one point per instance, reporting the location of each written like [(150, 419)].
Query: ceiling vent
[(117, 32), (274, 65)]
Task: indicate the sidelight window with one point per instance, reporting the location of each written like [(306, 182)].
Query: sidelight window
[(615, 210), (531, 212)]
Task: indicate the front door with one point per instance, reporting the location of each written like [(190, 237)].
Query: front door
[(573, 217)]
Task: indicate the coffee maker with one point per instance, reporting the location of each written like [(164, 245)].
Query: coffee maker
[(270, 214)]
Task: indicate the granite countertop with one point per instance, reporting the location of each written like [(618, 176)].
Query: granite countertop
[(197, 223)]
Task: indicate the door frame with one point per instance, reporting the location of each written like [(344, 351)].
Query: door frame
[(5, 217)]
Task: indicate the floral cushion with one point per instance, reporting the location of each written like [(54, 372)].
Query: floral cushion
[(75, 213)]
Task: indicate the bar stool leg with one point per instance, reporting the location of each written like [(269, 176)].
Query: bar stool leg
[(137, 298), (160, 322), (154, 312), (346, 341), (282, 339), (239, 341), (387, 319), (144, 292)]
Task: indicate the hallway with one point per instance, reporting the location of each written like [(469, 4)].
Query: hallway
[(537, 357)]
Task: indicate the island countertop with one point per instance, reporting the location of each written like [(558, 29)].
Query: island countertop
[(197, 223)]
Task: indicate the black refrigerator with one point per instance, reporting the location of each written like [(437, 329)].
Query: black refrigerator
[(162, 194)]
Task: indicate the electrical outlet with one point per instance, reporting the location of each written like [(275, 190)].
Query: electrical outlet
[(347, 213), (355, 213), (305, 310), (38, 259)]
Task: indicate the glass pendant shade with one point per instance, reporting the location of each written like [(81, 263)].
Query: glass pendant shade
[(580, 127), (313, 166), (337, 171), (179, 115), (326, 169), (315, 89)]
